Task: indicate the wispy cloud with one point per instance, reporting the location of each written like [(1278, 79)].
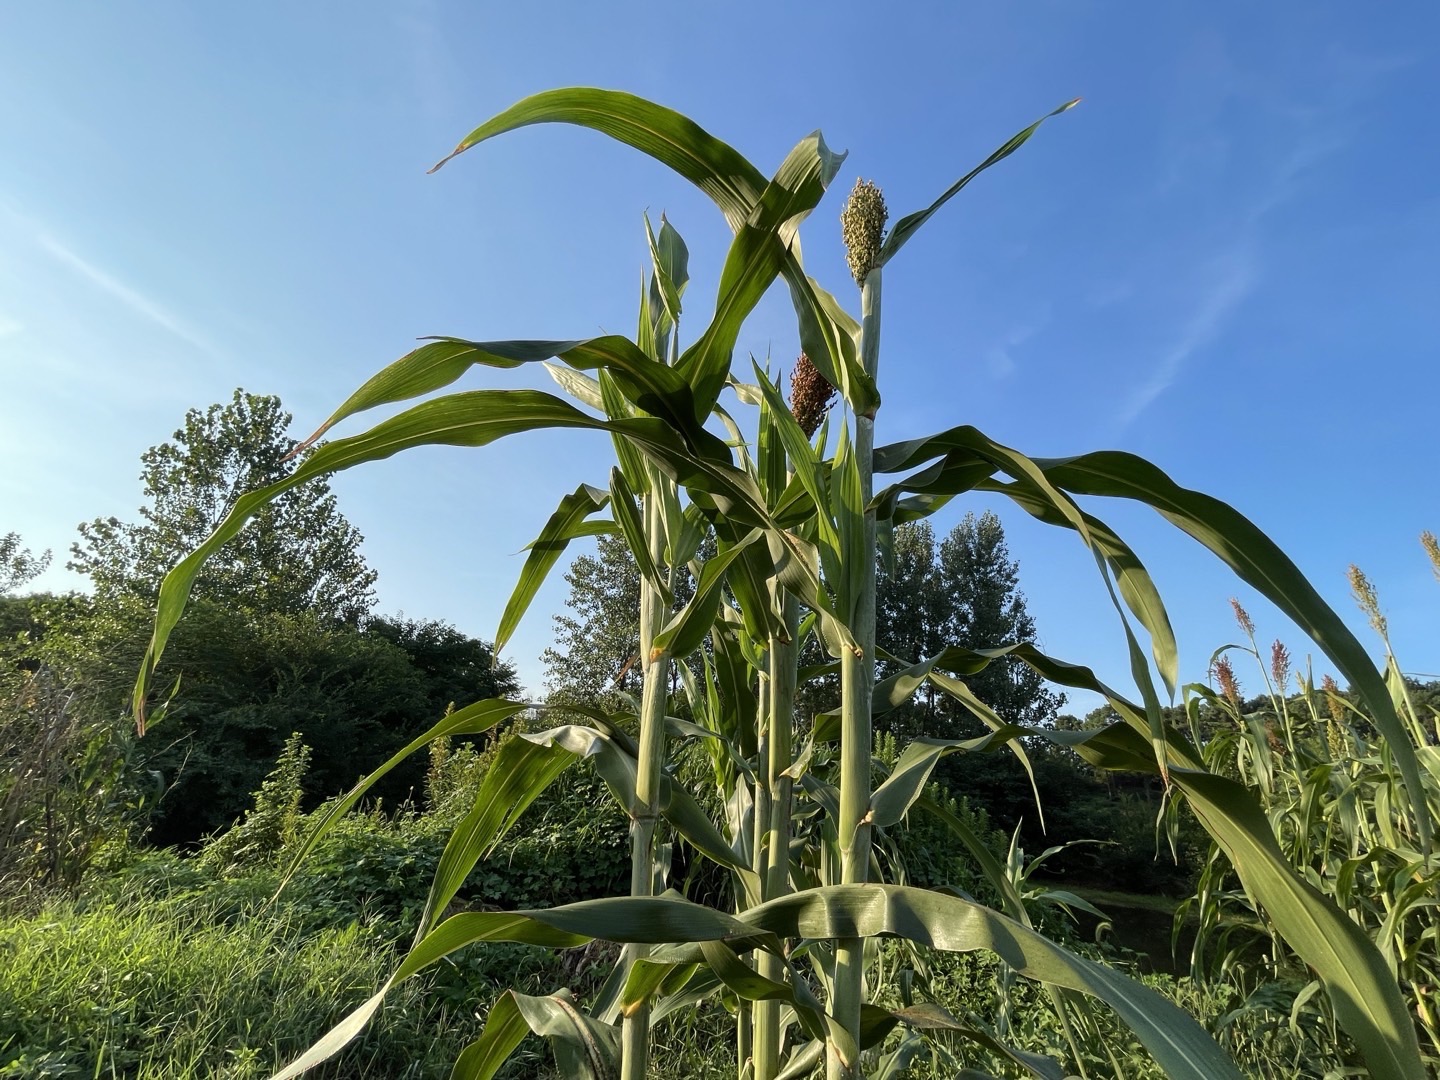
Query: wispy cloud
[(1000, 358), (9, 326), (1232, 278), (138, 302)]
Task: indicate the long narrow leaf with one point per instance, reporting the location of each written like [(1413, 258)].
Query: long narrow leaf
[(907, 226), (717, 169), (1258, 561), (564, 525)]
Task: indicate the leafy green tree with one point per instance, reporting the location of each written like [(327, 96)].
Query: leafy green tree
[(457, 669), (964, 591), (982, 582), (597, 640), (298, 554), (19, 564), (247, 683)]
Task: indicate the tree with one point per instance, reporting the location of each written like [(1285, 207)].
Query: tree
[(598, 638), (298, 554), (356, 695), (597, 643), (982, 582), (964, 593), (458, 669), (18, 564)]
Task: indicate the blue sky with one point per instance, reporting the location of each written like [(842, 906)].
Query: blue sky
[(1224, 260)]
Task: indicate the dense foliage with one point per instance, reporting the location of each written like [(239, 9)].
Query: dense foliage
[(302, 556)]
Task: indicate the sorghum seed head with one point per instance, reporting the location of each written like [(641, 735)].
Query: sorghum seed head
[(810, 395), (1432, 548), (1367, 598), (1280, 664), (1243, 617), (1225, 676), (862, 224), (1335, 739), (1332, 698)]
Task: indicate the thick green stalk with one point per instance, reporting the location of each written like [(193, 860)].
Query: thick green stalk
[(748, 1031), (857, 682), (645, 809), (775, 858)]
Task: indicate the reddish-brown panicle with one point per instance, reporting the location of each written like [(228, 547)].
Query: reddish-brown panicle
[(1280, 664), (1225, 676), (810, 395)]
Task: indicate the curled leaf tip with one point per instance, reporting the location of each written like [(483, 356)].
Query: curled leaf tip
[(305, 444), (440, 164)]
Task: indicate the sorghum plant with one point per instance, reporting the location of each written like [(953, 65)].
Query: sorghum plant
[(794, 537)]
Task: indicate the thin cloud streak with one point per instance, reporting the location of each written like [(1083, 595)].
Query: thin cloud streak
[(137, 302), (1236, 277)]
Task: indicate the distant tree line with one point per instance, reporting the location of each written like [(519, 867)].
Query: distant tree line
[(282, 638)]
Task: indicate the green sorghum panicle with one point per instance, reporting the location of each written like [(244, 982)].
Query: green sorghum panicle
[(862, 224)]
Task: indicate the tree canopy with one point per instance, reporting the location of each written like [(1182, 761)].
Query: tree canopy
[(18, 564), (298, 554)]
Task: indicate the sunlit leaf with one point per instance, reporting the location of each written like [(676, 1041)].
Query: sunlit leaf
[(564, 525)]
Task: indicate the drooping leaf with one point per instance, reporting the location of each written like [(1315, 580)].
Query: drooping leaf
[(733, 183), (471, 720), (651, 386), (1131, 578), (951, 923), (964, 448), (1259, 562), (565, 524), (584, 1048), (683, 634), (718, 170)]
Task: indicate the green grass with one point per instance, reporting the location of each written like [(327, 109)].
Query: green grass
[(183, 988)]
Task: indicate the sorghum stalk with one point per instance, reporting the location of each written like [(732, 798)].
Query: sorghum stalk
[(645, 809), (775, 852), (749, 1035), (863, 222)]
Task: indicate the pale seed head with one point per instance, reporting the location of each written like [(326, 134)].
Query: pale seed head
[(1368, 599), (1432, 549), (862, 224), (810, 395), (1332, 699), (1335, 740)]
